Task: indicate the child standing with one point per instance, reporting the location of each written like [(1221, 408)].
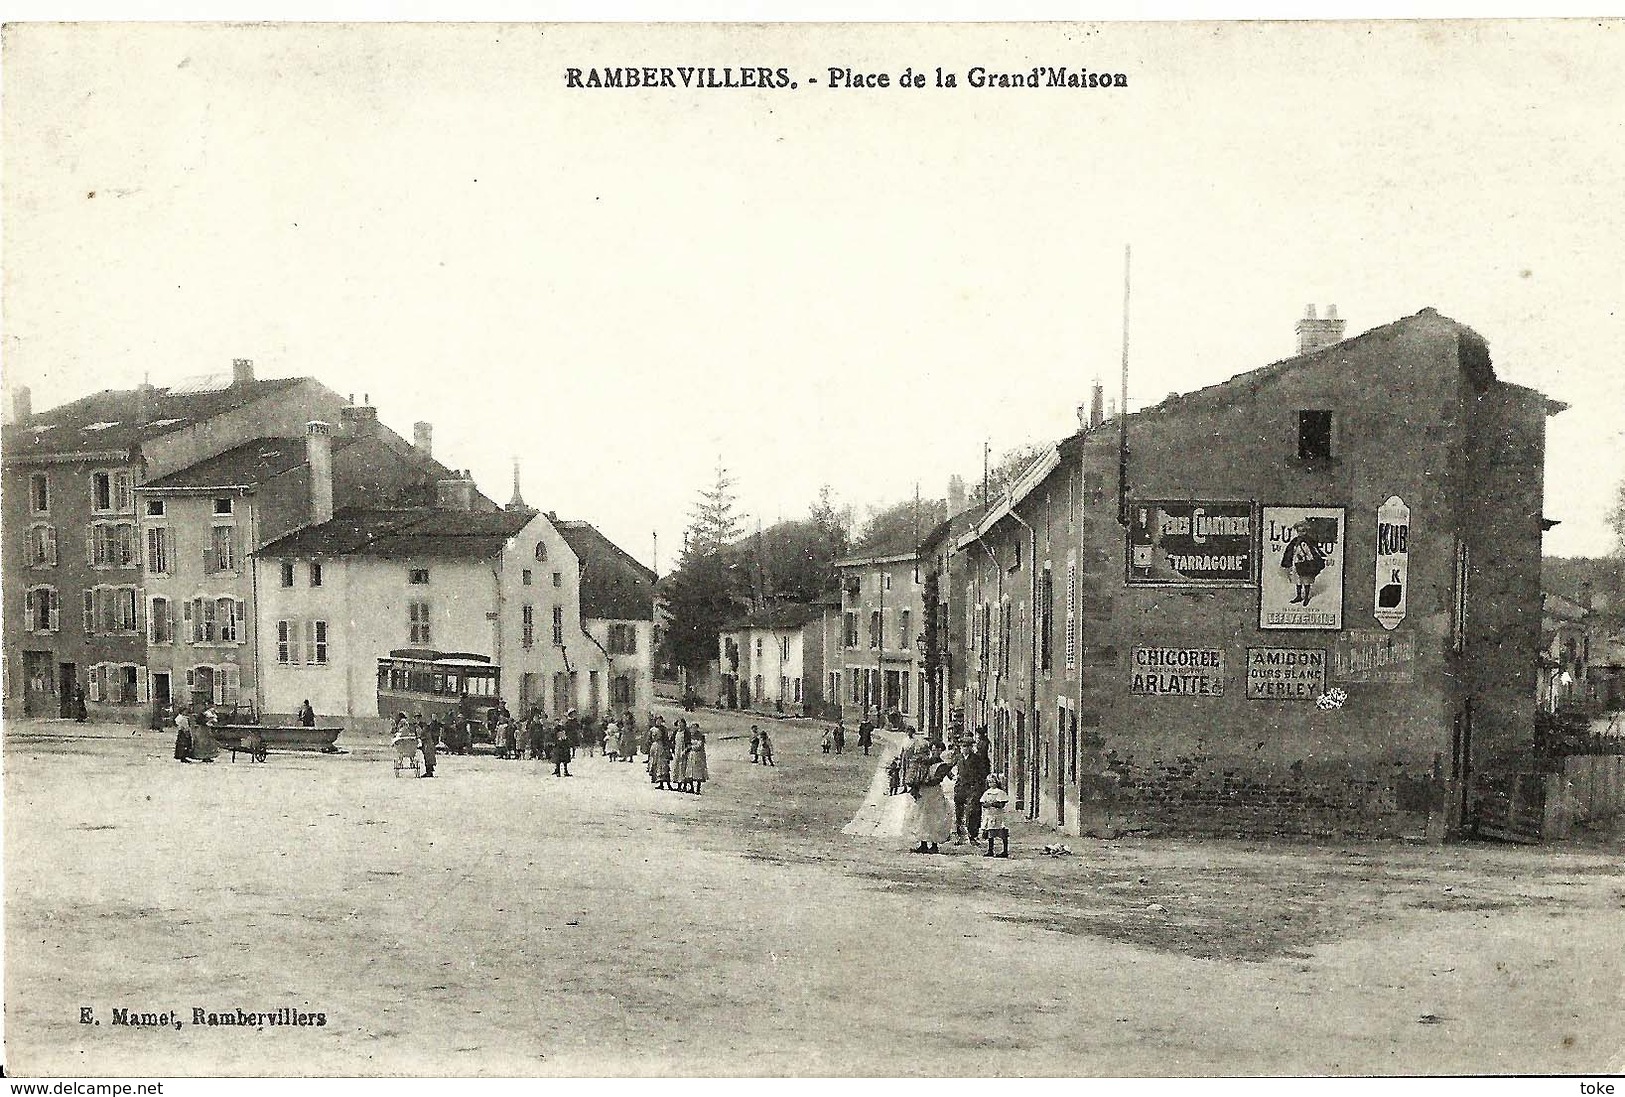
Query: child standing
[(993, 823), (755, 744), (894, 775), (767, 750), (827, 739)]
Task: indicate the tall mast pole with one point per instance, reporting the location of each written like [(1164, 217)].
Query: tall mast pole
[(1122, 408)]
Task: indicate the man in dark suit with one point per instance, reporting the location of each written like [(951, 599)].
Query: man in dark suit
[(969, 778)]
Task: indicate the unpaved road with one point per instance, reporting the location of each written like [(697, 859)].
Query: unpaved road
[(499, 921)]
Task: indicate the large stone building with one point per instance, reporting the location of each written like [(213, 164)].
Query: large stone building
[(77, 620), (773, 659), (1316, 611), (882, 618), (202, 527), (565, 614)]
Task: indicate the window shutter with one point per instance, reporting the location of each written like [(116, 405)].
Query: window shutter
[(93, 683), (240, 609), (231, 688), (28, 611), (50, 544), (143, 684), (138, 609), (1071, 615), (90, 545), (191, 677), (54, 609)]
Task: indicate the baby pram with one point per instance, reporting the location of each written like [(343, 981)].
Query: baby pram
[(406, 753)]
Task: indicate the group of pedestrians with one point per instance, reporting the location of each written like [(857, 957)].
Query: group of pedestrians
[(536, 736), (761, 746), (835, 737), (677, 760), (920, 772)]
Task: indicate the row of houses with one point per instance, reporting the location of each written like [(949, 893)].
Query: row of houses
[(1305, 600), (263, 542)]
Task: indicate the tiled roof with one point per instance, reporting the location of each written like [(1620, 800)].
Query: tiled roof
[(401, 532), (114, 418), (253, 462), (783, 616), (614, 586)]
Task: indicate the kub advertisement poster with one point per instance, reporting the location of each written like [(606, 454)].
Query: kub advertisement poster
[(1300, 584)]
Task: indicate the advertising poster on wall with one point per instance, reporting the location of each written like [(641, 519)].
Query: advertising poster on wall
[(1372, 655), (1285, 674), (1177, 672), (1196, 544), (1300, 582), (1393, 561)]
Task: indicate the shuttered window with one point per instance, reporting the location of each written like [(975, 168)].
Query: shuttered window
[(1071, 615)]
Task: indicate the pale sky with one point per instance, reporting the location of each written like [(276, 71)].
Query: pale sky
[(853, 287)]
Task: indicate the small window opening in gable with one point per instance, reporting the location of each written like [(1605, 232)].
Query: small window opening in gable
[(1314, 435)]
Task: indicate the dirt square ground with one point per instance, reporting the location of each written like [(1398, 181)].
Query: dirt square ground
[(500, 921)]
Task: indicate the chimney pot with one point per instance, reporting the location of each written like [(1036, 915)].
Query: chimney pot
[(242, 371), (1308, 312)]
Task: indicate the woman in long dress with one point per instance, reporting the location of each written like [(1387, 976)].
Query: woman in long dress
[(927, 817), (696, 769), (629, 739), (659, 760), (679, 755), (204, 746)]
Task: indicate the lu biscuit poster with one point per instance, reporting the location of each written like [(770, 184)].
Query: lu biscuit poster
[(1300, 583)]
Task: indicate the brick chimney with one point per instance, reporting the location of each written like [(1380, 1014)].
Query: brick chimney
[(1097, 406), (456, 493), (956, 495), (423, 438), (319, 456), (1315, 333), (242, 371), (22, 406), (358, 419)]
